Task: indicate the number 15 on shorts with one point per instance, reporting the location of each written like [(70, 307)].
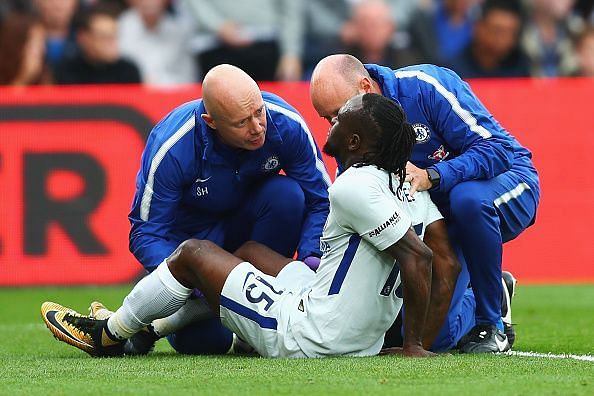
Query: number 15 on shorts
[(259, 290)]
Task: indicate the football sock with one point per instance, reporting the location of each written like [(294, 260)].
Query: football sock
[(193, 310), (157, 295), (102, 313)]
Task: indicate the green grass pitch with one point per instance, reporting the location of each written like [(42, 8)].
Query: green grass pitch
[(551, 319)]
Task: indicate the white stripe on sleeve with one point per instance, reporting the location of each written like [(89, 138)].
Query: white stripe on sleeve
[(464, 114), (294, 116), (147, 195)]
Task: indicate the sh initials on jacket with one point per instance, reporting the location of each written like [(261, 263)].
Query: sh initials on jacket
[(201, 191)]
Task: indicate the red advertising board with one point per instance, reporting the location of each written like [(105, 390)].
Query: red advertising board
[(69, 156)]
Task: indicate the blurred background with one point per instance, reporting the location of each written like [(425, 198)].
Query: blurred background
[(82, 82), (171, 42)]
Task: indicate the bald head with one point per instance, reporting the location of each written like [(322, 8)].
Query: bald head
[(234, 107), (226, 87), (342, 66), (336, 79)]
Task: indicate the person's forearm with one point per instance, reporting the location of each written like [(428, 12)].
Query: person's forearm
[(150, 250), (313, 224), (442, 287), (416, 282), (445, 270), (483, 160)]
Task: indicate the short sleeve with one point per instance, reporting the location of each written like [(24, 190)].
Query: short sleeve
[(363, 206), (433, 214)]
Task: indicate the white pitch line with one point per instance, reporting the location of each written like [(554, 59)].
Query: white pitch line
[(586, 358)]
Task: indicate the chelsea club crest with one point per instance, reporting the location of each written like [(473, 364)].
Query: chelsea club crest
[(422, 131), (271, 164)]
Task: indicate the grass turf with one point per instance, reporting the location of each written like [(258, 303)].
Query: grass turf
[(556, 319)]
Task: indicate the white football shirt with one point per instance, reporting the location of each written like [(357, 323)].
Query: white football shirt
[(355, 296)]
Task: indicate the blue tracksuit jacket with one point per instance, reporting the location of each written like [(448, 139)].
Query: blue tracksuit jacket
[(455, 133), (189, 182)]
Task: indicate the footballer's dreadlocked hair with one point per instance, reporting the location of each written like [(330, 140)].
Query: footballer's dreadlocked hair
[(392, 137)]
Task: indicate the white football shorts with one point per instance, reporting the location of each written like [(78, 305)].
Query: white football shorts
[(257, 307)]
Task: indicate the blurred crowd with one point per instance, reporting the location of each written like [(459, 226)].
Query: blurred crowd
[(170, 42)]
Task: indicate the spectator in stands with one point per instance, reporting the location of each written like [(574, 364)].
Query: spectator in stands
[(262, 37), (10, 6), (402, 10), (441, 32), (324, 22), (56, 16), (372, 36), (22, 51), (585, 52), (494, 50), (117, 5), (547, 38), (328, 29), (158, 42), (99, 61), (585, 9)]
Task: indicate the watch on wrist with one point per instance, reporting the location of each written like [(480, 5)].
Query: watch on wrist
[(434, 177)]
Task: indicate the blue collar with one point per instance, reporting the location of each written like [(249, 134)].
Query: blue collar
[(386, 80)]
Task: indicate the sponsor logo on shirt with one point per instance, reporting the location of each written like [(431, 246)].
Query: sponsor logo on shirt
[(403, 194), (271, 164), (391, 221), (324, 247), (422, 131), (440, 154), (301, 306)]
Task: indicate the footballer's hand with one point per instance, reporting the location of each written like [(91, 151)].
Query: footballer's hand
[(416, 351), (231, 34), (418, 178), (408, 352), (391, 351)]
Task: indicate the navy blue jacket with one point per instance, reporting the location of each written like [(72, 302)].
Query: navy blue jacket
[(189, 181)]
